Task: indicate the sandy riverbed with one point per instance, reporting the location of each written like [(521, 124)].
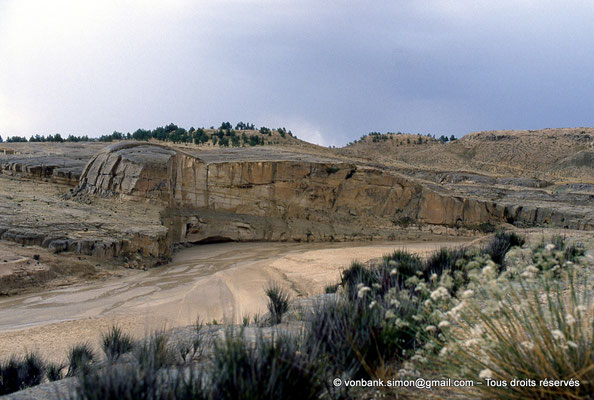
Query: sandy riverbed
[(219, 281)]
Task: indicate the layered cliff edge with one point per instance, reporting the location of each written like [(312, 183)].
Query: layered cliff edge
[(207, 197)]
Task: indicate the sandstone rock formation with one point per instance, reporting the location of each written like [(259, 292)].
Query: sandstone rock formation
[(236, 197)]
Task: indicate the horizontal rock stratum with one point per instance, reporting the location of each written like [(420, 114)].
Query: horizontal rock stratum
[(246, 194)]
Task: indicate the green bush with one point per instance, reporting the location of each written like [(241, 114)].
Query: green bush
[(571, 251), (352, 276), (330, 289), (451, 260)]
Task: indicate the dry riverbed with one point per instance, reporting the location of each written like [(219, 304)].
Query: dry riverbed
[(218, 281)]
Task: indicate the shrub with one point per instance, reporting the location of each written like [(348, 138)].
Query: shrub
[(407, 264), (452, 260), (54, 371), (354, 275), (267, 369), (571, 251), (574, 251), (80, 359), (500, 244), (155, 352), (332, 170), (332, 288), (356, 338), (127, 382), (21, 373), (115, 343), (486, 227), (540, 330), (278, 302)]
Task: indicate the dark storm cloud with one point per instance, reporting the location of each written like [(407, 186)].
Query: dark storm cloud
[(330, 71)]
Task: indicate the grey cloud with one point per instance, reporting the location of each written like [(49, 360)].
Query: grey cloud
[(335, 69)]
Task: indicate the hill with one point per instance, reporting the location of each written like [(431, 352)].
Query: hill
[(565, 154)]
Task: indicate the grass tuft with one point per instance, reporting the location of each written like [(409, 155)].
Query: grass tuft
[(500, 244), (21, 373), (80, 359), (115, 343), (278, 302)]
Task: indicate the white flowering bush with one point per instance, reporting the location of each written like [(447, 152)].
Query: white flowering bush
[(533, 329)]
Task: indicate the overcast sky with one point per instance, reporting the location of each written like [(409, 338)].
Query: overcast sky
[(328, 70)]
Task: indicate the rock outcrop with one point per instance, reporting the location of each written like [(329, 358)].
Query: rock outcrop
[(57, 169), (238, 198)]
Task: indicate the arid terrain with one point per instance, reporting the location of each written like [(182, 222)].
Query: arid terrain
[(87, 209), (152, 234)]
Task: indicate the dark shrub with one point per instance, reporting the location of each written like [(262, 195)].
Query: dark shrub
[(278, 302), (21, 373), (500, 244), (574, 251), (80, 359), (267, 369), (331, 288), (486, 227), (128, 382), (10, 375), (115, 343), (445, 260), (341, 332), (155, 352), (54, 371), (354, 275), (355, 338), (406, 264)]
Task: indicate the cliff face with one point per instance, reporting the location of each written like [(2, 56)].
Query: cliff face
[(284, 199)]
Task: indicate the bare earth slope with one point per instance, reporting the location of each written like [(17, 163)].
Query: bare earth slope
[(565, 154)]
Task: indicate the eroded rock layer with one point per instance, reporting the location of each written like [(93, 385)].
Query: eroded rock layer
[(239, 198)]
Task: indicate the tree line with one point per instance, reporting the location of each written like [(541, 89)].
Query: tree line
[(224, 135)]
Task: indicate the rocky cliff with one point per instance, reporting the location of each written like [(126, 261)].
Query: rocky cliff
[(236, 197)]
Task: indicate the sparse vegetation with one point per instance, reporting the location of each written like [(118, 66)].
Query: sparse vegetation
[(266, 369), (500, 244), (54, 371), (278, 302), (80, 359), (115, 343), (457, 313), (21, 373)]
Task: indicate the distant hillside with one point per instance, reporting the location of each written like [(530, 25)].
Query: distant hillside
[(566, 153)]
